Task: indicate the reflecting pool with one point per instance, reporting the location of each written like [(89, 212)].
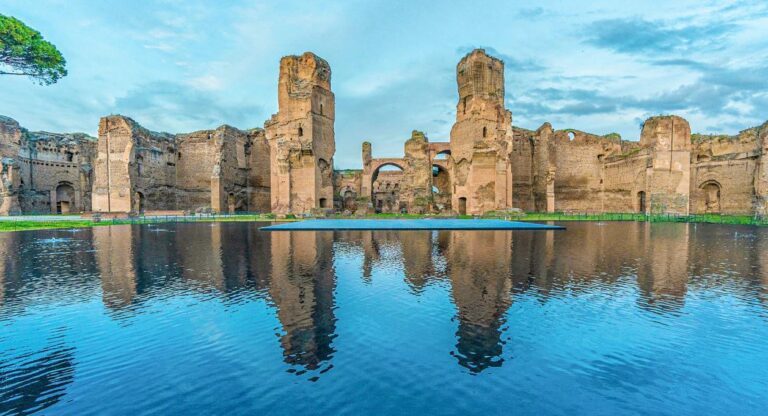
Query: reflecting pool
[(601, 319)]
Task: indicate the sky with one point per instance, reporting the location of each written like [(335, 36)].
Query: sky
[(597, 66)]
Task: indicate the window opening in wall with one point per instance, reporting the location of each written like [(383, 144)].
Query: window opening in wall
[(485, 131), (462, 206), (301, 131)]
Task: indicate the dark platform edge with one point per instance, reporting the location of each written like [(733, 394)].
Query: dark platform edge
[(538, 227)]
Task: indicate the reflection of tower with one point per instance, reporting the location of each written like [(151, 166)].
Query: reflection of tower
[(8, 262), (200, 251), (224, 256), (417, 258), (115, 257), (244, 257), (301, 287), (762, 261), (379, 248), (664, 276), (479, 269)]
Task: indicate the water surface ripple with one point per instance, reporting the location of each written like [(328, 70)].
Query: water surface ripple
[(601, 319)]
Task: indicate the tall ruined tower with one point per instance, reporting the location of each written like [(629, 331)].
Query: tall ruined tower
[(10, 178), (761, 172), (481, 138), (301, 137), (669, 178)]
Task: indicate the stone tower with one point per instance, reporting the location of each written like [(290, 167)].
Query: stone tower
[(10, 180), (761, 172), (669, 178), (481, 138), (301, 137)]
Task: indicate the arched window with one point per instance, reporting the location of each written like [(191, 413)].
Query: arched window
[(301, 131), (485, 131)]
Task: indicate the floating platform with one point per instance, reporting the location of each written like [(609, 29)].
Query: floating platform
[(406, 225)]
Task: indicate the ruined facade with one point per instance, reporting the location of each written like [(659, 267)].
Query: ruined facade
[(44, 172), (668, 171), (221, 170), (486, 164), (489, 165)]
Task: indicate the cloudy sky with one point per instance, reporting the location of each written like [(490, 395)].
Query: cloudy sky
[(184, 65)]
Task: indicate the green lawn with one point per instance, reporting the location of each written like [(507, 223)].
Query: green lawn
[(22, 225)]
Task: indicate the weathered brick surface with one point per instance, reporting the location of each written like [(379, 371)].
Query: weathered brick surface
[(301, 136), (44, 172), (287, 167), (481, 137), (208, 170)]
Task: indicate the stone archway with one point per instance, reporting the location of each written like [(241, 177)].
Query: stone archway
[(441, 187), (711, 193), (348, 197), (462, 206), (231, 203), (65, 198), (139, 203), (385, 186)]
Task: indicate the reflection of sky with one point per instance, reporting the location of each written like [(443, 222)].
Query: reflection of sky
[(585, 340), (604, 66)]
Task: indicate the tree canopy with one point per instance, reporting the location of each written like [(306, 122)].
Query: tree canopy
[(23, 51)]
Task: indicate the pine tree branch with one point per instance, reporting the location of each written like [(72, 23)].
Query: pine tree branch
[(16, 73)]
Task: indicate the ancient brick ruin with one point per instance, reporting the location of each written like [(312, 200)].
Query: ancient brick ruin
[(489, 165), (221, 170), (301, 138), (44, 172), (486, 165)]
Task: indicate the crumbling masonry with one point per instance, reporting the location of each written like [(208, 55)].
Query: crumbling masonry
[(287, 168)]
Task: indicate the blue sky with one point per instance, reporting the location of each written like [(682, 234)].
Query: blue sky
[(598, 66)]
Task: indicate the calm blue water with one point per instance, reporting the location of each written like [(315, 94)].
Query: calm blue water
[(601, 319)]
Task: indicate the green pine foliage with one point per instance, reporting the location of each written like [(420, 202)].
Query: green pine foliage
[(24, 52)]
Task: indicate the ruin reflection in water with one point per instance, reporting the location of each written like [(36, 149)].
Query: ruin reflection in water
[(619, 317)]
